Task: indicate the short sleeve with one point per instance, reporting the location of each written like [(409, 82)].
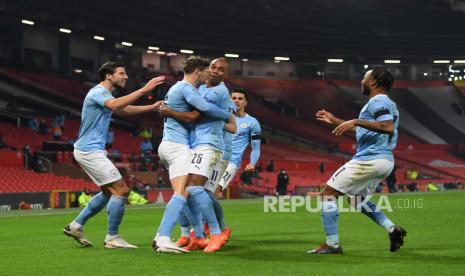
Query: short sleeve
[(101, 96), (256, 131), (379, 108)]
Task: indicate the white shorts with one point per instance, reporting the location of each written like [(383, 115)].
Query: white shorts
[(360, 178), (228, 175), (175, 157), (216, 175), (99, 168), (203, 160)]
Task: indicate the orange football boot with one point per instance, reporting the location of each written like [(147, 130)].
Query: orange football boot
[(183, 241), (214, 244), (197, 244)]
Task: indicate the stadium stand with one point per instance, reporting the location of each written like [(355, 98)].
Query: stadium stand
[(308, 96), (72, 90), (18, 180)]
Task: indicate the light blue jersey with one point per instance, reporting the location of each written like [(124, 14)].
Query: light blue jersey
[(248, 131), (227, 136), (184, 97), (209, 131), (95, 120), (373, 145)]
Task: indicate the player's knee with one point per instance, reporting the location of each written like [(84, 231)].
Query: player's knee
[(119, 188), (329, 193)]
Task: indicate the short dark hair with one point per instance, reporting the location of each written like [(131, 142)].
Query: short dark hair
[(108, 67), (242, 91), (195, 62), (382, 77)]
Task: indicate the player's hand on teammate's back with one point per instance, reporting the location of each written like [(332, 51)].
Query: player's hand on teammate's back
[(325, 116), (151, 84), (156, 106), (163, 110), (347, 125)]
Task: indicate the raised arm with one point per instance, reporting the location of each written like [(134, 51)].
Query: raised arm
[(379, 110), (118, 103), (384, 127), (131, 110)]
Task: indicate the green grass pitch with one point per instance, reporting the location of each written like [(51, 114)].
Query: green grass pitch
[(31, 242)]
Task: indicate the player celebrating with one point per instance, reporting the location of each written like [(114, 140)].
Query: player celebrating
[(218, 70), (89, 151), (174, 150), (248, 131), (376, 134), (207, 150)]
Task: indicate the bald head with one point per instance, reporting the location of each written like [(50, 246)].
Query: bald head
[(219, 70)]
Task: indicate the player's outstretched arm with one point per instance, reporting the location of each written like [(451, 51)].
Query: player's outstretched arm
[(328, 117), (231, 125), (186, 117), (384, 127), (132, 110), (118, 103)]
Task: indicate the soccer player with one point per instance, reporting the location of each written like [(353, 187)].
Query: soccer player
[(89, 151), (174, 150), (248, 131), (376, 134), (207, 149)]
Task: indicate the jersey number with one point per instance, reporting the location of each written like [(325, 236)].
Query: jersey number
[(226, 176), (214, 175), (197, 158)]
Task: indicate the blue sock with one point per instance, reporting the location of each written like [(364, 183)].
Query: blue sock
[(194, 216), (218, 209), (115, 210), (172, 211), (95, 205), (377, 216), (205, 205), (329, 216), (183, 220)]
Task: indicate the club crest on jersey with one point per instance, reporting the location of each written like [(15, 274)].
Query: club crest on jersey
[(244, 125)]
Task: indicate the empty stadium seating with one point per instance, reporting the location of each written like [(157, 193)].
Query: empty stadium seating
[(308, 96), (72, 90), (425, 107), (18, 180), (18, 137)]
